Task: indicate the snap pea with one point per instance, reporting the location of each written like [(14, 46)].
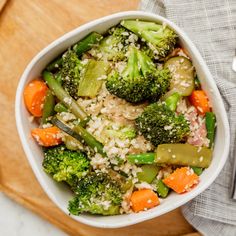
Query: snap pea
[(142, 158), (161, 189), (210, 126), (183, 154), (48, 107), (148, 173)]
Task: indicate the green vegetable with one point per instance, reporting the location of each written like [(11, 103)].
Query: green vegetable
[(159, 38), (72, 143), (87, 43), (142, 158), (80, 134), (65, 165), (123, 132), (114, 46), (97, 193), (92, 79), (159, 124), (48, 107), (70, 73), (210, 126), (182, 72), (161, 188), (63, 96), (172, 101), (60, 107), (125, 184), (184, 155), (197, 170), (148, 173), (197, 83), (140, 80), (55, 65)]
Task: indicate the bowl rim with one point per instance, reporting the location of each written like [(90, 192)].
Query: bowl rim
[(76, 31)]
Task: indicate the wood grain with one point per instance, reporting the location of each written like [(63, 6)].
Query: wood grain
[(26, 26)]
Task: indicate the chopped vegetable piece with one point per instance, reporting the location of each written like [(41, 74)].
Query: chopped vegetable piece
[(34, 96), (197, 83), (199, 99), (80, 134), (143, 199), (148, 173), (55, 65), (210, 126), (181, 180), (197, 170), (47, 137), (181, 69), (160, 39), (142, 158), (161, 189), (72, 143), (87, 42), (172, 101), (92, 79), (48, 107), (183, 154), (63, 96), (60, 108)]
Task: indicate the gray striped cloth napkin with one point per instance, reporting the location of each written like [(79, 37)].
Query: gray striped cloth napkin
[(211, 24)]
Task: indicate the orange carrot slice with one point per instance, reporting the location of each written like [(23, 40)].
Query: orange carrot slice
[(34, 96), (143, 199), (181, 180), (199, 99), (48, 136)]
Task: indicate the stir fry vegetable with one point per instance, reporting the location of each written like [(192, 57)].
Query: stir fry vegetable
[(123, 119)]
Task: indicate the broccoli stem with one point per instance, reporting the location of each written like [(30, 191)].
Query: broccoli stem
[(48, 107), (132, 69), (86, 43), (172, 101), (63, 96), (142, 158)]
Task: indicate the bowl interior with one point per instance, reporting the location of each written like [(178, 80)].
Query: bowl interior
[(59, 193)]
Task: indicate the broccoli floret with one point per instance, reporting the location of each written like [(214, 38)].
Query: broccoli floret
[(70, 72), (97, 193), (122, 133), (114, 46), (159, 38), (65, 165), (159, 124), (140, 80)]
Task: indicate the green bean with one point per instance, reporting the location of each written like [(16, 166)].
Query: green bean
[(48, 107), (210, 126)]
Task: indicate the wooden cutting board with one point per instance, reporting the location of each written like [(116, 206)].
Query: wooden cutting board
[(27, 26)]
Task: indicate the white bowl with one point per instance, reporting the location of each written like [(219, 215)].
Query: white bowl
[(59, 193)]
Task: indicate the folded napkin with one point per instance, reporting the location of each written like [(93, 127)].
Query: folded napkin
[(211, 25)]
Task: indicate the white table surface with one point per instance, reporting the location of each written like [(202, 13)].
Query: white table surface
[(16, 220)]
